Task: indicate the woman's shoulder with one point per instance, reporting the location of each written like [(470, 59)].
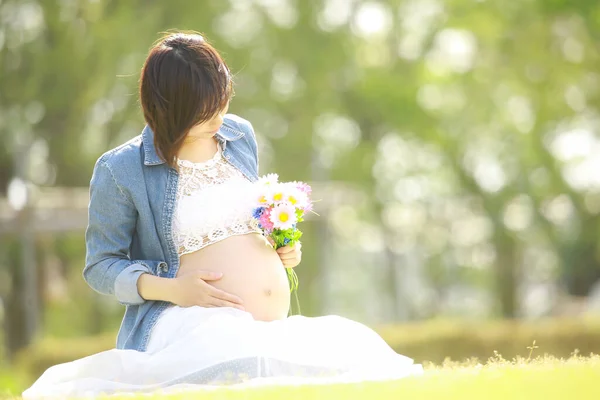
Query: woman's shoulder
[(242, 125), (245, 138), (124, 155), (236, 122)]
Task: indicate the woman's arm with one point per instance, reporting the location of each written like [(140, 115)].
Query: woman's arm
[(112, 219), (152, 287)]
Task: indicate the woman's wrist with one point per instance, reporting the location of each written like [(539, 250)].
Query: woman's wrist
[(152, 287)]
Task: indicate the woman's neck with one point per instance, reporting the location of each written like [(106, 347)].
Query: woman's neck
[(199, 150)]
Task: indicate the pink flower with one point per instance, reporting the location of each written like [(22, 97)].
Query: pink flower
[(265, 220)]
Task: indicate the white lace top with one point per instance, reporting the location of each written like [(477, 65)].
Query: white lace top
[(214, 201)]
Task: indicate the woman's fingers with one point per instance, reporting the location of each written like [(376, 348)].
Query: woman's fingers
[(291, 262), (285, 249), (290, 256), (222, 303), (289, 249), (209, 275), (224, 296)]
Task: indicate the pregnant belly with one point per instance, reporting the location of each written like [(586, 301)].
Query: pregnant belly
[(251, 269)]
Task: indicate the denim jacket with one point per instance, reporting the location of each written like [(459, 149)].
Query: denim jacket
[(132, 201)]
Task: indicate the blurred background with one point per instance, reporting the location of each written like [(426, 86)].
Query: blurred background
[(454, 145)]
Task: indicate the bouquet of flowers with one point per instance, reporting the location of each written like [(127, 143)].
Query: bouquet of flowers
[(280, 206)]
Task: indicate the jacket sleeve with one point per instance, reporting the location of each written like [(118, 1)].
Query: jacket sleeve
[(112, 218)]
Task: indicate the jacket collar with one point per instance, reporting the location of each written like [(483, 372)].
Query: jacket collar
[(228, 132)]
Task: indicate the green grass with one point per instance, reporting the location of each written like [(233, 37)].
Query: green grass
[(543, 378)]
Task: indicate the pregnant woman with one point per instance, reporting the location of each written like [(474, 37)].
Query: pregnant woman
[(171, 236)]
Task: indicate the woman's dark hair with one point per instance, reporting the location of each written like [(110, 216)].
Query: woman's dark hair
[(184, 82)]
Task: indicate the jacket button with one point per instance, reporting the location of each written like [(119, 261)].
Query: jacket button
[(162, 266)]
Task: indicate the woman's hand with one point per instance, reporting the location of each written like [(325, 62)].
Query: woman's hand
[(192, 289), (290, 255)]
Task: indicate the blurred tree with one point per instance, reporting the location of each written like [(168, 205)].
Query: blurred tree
[(470, 125)]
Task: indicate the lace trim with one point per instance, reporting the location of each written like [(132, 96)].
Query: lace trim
[(195, 243)]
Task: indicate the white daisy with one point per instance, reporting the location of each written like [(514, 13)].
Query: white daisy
[(283, 216)]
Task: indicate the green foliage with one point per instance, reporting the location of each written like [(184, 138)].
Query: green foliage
[(12, 381), (280, 235)]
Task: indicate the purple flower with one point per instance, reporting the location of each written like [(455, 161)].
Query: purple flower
[(308, 207), (304, 187)]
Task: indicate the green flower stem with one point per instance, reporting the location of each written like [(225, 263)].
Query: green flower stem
[(293, 235)]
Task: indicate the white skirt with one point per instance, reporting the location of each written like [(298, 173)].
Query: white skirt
[(200, 348)]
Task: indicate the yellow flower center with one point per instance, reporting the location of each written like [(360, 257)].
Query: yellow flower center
[(278, 196), (262, 199), (283, 217), (292, 200)]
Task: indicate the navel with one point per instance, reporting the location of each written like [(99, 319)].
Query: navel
[(268, 292)]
